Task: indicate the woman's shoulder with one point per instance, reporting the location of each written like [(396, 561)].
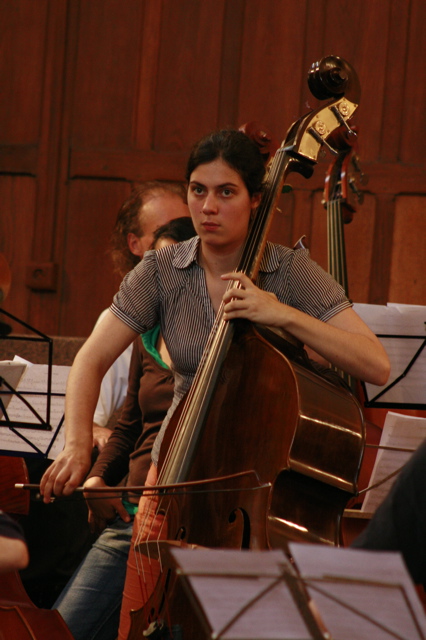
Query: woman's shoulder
[(277, 255)]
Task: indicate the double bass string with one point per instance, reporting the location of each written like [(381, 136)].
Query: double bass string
[(336, 244)]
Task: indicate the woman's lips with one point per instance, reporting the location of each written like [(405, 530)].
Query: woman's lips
[(210, 226)]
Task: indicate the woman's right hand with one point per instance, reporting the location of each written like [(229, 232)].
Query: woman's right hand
[(66, 472), (102, 510)]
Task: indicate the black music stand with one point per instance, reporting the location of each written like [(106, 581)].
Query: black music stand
[(40, 423), (242, 595), (333, 593), (386, 397)]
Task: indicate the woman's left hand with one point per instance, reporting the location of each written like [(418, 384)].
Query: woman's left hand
[(251, 303)]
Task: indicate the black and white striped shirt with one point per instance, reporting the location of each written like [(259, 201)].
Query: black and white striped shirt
[(169, 287)]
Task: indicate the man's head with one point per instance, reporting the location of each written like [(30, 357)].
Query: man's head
[(149, 206)]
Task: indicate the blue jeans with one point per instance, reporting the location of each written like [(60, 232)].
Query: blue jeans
[(90, 603)]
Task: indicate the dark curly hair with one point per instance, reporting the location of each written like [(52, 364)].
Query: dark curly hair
[(237, 150), (178, 229), (129, 221)]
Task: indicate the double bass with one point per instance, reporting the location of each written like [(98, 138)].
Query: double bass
[(342, 195), (245, 490)]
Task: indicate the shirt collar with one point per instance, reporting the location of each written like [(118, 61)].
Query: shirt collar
[(187, 252)]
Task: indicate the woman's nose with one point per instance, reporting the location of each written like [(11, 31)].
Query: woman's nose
[(210, 204)]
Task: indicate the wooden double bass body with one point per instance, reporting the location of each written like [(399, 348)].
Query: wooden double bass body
[(284, 446), (270, 449)]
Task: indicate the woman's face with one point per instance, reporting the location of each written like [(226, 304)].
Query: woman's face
[(220, 205)]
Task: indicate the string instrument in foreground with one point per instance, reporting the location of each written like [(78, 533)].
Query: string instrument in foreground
[(270, 450)]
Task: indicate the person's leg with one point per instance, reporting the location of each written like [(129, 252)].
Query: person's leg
[(90, 603), (142, 572), (399, 524)]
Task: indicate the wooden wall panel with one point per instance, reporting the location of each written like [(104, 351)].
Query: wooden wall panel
[(18, 201), (413, 87), (23, 24), (188, 87), (407, 266), (102, 93), (106, 73), (272, 70), (88, 280)]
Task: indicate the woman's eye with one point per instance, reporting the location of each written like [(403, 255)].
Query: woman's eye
[(197, 190), (227, 192)]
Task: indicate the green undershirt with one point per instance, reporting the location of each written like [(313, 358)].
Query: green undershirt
[(149, 340)]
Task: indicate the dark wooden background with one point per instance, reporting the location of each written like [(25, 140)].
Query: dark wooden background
[(98, 94)]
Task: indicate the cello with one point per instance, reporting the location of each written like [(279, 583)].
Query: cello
[(293, 484)]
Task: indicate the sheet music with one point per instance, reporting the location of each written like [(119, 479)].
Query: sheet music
[(359, 595), (402, 320), (370, 583), (226, 581), (44, 441), (406, 432), (11, 371)]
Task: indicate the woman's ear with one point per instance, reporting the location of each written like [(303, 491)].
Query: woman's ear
[(255, 200)]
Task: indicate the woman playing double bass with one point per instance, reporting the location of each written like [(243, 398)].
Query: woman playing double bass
[(182, 287)]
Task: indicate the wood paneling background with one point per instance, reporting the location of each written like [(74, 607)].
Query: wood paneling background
[(98, 94)]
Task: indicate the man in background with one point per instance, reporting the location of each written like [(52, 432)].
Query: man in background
[(149, 206)]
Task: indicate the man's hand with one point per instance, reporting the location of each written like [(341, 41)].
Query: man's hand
[(102, 510), (66, 473)]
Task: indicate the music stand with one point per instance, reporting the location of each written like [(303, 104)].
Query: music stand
[(401, 329), (367, 591), (35, 438), (332, 593), (243, 595), (376, 396)]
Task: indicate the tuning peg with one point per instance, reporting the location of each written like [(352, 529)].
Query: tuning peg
[(322, 141), (359, 194), (343, 122), (363, 178)]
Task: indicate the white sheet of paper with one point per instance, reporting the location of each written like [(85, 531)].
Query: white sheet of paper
[(35, 380), (11, 371), (243, 589), (401, 320), (345, 583), (406, 432)]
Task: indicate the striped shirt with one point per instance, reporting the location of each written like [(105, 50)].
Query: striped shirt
[(169, 287)]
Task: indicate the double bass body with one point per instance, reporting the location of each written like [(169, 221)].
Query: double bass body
[(285, 446)]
